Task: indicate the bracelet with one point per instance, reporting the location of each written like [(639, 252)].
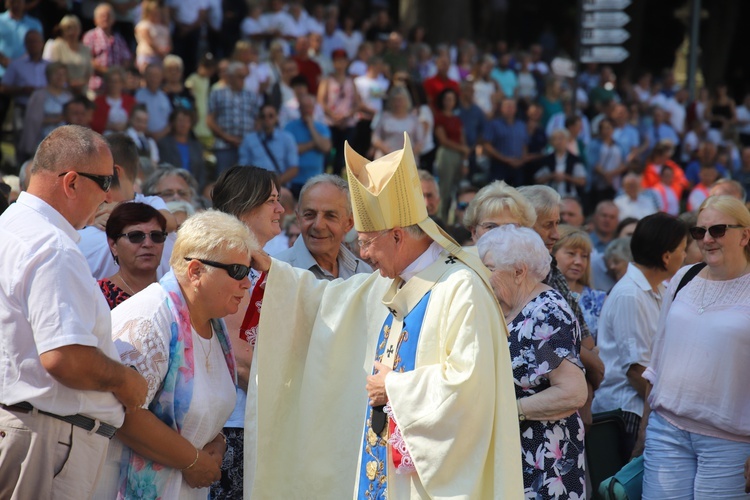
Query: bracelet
[(197, 455)]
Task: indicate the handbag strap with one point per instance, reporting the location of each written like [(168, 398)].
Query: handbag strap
[(689, 275), (264, 142)]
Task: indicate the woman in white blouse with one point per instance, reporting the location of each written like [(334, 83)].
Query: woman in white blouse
[(398, 118), (172, 333), (698, 434)]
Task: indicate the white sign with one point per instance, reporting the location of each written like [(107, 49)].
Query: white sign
[(591, 36), (603, 54), (605, 4), (614, 19), (563, 67)]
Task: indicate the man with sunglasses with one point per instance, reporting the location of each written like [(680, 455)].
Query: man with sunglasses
[(64, 391), (398, 381), (93, 242)]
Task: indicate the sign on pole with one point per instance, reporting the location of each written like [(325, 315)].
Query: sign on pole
[(615, 19), (595, 36), (606, 4), (603, 54)]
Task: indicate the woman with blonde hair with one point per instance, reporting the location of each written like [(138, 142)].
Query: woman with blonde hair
[(698, 430), (173, 334), (573, 255), (68, 50), (497, 204), (152, 35)]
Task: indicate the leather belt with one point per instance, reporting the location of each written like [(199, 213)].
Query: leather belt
[(79, 420)]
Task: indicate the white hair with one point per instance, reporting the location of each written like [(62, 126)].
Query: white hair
[(544, 199), (207, 235), (508, 247)]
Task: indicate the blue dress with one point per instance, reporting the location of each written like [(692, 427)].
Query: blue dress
[(591, 302)]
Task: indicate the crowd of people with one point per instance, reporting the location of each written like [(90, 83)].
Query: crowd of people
[(164, 150)]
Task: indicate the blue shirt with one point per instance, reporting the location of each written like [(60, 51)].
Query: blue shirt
[(508, 139), (281, 144), (656, 133), (627, 138), (312, 161), (23, 72), (507, 80), (473, 121), (158, 105), (12, 35)]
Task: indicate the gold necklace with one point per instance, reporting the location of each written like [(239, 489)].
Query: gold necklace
[(210, 346)]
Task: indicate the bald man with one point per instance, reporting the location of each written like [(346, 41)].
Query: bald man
[(64, 391)]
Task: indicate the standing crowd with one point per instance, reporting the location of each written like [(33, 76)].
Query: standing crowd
[(165, 150)]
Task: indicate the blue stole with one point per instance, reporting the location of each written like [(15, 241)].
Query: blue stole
[(373, 470)]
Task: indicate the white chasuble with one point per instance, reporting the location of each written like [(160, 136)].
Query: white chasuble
[(307, 401)]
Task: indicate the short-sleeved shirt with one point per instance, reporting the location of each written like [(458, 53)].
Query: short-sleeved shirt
[(311, 162), (473, 121), (48, 300), (627, 326), (280, 144), (107, 51), (627, 138), (158, 106), (13, 34), (233, 111), (451, 124), (433, 86)]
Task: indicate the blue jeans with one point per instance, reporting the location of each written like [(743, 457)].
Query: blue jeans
[(683, 465)]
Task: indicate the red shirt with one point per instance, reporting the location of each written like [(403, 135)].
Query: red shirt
[(451, 124), (433, 86), (311, 71)]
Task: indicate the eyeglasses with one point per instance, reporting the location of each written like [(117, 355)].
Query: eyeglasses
[(363, 244), (462, 205), (136, 237), (235, 271), (717, 231), (168, 193), (103, 181)]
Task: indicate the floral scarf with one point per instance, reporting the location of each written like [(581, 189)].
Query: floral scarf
[(139, 477)]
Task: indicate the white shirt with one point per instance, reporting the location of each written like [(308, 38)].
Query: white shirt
[(627, 326), (743, 116), (677, 113), (93, 244), (422, 262), (299, 26), (251, 26), (646, 204), (277, 21), (256, 77), (352, 42), (47, 301), (141, 329), (372, 91)]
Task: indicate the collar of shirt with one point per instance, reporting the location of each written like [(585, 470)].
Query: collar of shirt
[(53, 216), (305, 259), (422, 262), (639, 279)]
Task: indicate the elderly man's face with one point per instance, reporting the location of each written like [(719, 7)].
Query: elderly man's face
[(546, 226), (324, 219), (104, 18), (431, 196), (379, 248), (605, 219)]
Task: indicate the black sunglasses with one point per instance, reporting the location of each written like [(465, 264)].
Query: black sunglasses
[(103, 181), (717, 231), (236, 271), (140, 236)]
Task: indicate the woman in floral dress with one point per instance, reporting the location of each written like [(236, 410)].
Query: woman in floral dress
[(544, 344)]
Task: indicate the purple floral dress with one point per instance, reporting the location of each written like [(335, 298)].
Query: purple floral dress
[(542, 336)]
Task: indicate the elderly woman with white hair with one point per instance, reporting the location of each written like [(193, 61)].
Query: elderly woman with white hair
[(173, 334), (544, 344)]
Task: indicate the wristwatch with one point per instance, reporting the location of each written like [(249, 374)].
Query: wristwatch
[(521, 415)]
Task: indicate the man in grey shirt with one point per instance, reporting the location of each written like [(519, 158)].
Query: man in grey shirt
[(325, 216)]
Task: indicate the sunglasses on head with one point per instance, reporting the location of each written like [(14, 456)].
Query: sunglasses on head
[(716, 231), (103, 181), (235, 271), (140, 236)]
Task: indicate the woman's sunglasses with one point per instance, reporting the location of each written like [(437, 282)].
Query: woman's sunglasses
[(235, 271), (716, 231), (139, 236)]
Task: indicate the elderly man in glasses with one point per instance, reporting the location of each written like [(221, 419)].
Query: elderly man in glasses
[(390, 385), (93, 242), (64, 391)]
